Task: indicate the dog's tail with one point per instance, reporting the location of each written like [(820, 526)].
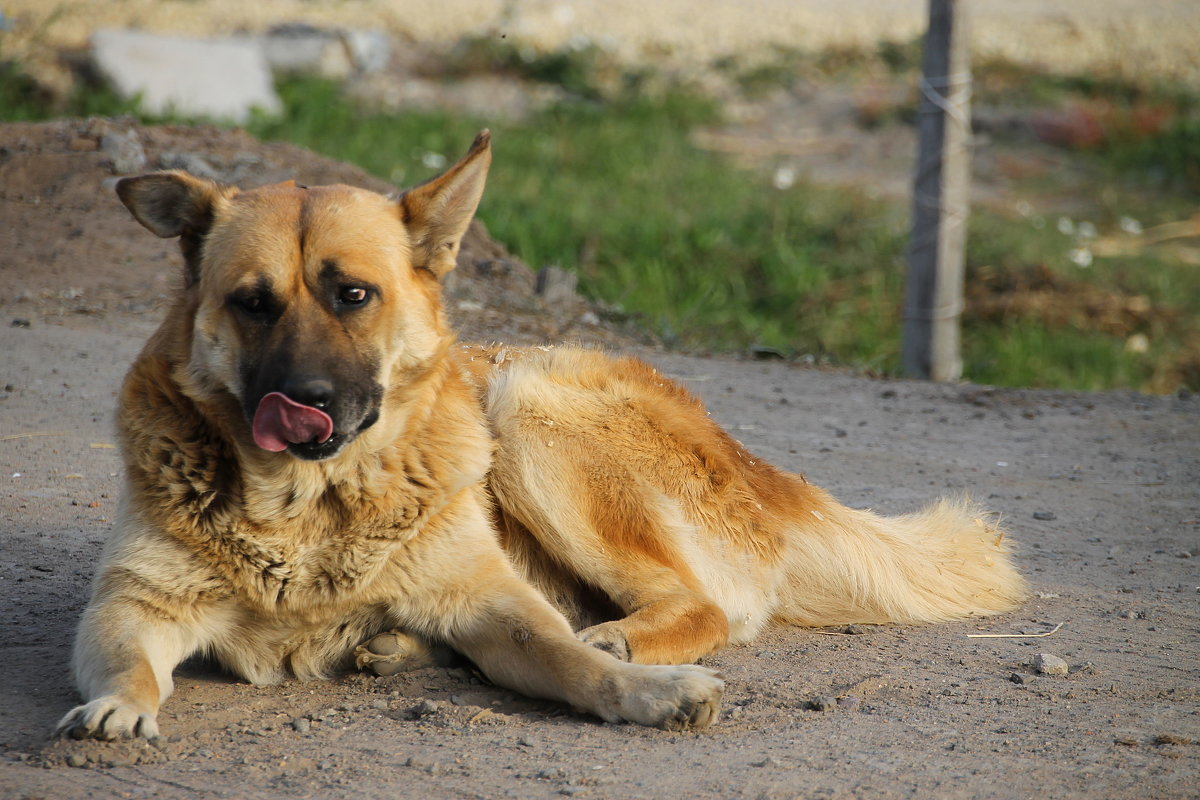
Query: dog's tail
[(948, 561)]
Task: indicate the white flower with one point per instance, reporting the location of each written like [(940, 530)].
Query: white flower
[(1081, 257), (1138, 343), (1065, 226), (1131, 226), (784, 178), (1086, 230), (433, 160)]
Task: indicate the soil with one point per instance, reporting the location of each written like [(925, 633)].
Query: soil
[(1099, 490)]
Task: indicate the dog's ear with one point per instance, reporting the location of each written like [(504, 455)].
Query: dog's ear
[(438, 211), (173, 204)]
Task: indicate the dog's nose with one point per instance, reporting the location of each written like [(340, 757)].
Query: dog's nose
[(309, 391)]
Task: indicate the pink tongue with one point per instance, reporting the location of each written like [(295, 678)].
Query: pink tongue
[(279, 422)]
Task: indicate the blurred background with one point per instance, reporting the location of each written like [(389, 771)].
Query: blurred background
[(729, 176)]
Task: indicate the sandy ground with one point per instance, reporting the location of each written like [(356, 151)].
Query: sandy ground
[(1100, 490)]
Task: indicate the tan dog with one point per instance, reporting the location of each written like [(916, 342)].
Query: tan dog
[(312, 461)]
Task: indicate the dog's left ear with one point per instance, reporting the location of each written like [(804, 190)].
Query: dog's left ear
[(438, 211)]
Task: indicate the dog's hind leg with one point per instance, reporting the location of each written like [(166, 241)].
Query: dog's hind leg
[(618, 544), (469, 596), (396, 651), (603, 467)]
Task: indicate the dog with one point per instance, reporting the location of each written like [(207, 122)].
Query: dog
[(319, 475)]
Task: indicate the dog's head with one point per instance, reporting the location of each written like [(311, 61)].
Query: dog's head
[(306, 305)]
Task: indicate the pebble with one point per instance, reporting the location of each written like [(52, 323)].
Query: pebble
[(77, 760), (1044, 516), (1048, 664), (849, 702), (822, 703), (1020, 679), (424, 708), (301, 725)]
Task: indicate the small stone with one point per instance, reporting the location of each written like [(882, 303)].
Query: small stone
[(769, 762), (822, 703), (849, 702), (1044, 516), (325, 765), (301, 725), (380, 705), (1020, 679), (859, 630), (77, 760), (424, 708), (527, 741), (1047, 664), (125, 150)]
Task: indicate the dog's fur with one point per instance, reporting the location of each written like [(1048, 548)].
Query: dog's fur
[(490, 500)]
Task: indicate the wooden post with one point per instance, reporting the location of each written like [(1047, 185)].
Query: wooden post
[(934, 292)]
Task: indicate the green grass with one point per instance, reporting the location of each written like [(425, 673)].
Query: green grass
[(713, 257)]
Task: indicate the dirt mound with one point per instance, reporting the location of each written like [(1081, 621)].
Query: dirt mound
[(70, 247)]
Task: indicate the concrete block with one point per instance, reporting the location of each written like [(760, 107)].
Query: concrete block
[(217, 78)]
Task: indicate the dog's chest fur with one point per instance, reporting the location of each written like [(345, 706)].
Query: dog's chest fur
[(287, 536)]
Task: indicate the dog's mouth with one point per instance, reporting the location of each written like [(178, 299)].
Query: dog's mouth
[(307, 432)]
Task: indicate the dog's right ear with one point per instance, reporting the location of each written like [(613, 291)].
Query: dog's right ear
[(174, 203)]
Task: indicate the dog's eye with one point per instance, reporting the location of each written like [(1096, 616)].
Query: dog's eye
[(353, 295), (252, 303)]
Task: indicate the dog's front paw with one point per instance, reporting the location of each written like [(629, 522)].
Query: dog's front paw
[(107, 717), (674, 698), (609, 637)]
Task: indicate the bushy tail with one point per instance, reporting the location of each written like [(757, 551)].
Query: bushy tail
[(943, 563)]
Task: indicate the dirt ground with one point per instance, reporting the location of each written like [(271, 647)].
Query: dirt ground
[(1100, 490)]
